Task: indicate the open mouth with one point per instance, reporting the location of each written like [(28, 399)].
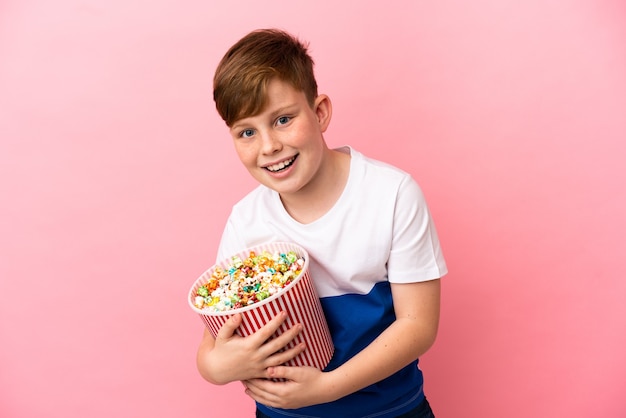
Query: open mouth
[(275, 168)]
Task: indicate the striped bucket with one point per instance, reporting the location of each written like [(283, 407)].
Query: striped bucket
[(299, 299)]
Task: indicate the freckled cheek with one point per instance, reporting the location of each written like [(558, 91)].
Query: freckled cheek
[(246, 155)]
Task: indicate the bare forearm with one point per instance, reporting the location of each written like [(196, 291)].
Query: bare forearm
[(412, 333), (399, 345)]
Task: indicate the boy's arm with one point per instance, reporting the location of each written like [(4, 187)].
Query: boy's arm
[(230, 357), (406, 339)]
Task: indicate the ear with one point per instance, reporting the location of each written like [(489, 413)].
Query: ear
[(323, 109)]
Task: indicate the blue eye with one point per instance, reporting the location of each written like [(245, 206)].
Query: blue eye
[(246, 133), (283, 120)]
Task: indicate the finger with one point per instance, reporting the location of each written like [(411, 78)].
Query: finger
[(263, 391), (295, 375), (229, 327), (280, 372), (283, 357), (278, 343), (266, 331)]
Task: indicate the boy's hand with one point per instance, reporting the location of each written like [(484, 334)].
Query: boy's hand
[(304, 386), (230, 357)]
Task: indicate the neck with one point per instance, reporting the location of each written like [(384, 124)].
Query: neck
[(320, 196)]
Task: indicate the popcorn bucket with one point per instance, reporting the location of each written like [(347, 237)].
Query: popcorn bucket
[(299, 299)]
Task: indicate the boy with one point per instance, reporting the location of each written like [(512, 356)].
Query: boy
[(374, 254)]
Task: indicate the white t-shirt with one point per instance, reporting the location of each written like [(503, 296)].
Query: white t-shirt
[(379, 229)]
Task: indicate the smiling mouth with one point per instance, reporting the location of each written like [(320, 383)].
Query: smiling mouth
[(275, 168)]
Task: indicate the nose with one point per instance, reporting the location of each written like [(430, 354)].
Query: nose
[(270, 144)]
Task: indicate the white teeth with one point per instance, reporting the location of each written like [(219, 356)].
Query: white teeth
[(280, 165)]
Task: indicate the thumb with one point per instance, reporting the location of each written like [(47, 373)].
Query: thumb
[(228, 329)]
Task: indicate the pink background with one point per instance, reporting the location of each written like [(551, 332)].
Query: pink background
[(116, 176)]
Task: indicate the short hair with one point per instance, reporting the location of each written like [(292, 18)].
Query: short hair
[(242, 76)]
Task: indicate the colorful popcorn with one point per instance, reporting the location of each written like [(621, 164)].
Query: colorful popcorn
[(248, 280)]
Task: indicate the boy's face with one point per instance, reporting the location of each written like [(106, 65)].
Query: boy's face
[(283, 147)]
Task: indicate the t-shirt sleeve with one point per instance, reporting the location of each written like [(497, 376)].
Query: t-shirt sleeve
[(231, 242), (415, 254)]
